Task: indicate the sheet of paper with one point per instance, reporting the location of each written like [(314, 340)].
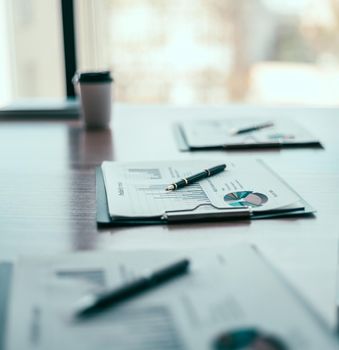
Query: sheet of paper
[(138, 189), (223, 292), (218, 132)]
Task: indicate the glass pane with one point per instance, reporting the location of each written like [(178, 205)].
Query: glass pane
[(31, 49), (216, 51)]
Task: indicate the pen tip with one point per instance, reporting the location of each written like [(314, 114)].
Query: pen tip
[(170, 188)]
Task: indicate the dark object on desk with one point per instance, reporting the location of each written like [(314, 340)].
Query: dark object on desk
[(248, 338), (197, 177), (93, 304), (215, 134), (41, 109)]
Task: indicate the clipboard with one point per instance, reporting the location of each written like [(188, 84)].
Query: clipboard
[(189, 216), (184, 146), (6, 269)]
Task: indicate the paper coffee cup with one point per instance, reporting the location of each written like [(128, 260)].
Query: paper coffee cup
[(95, 90)]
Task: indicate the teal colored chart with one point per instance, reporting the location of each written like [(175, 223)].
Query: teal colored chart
[(245, 199)]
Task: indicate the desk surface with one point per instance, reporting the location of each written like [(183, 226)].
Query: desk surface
[(47, 192)]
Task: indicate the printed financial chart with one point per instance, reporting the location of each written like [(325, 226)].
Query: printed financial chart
[(245, 199)]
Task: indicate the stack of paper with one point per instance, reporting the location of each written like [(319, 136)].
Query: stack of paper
[(226, 293), (136, 192), (222, 134)]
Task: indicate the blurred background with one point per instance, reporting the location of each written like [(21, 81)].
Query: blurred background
[(179, 51)]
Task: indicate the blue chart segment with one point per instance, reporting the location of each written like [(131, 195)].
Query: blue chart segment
[(245, 199)]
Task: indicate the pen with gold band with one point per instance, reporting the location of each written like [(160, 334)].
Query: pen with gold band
[(197, 177)]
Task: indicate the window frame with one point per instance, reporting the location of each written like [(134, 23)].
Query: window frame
[(69, 41)]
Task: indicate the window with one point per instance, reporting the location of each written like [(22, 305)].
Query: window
[(180, 52), (31, 49), (215, 51)]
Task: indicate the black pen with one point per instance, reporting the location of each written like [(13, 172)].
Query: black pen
[(92, 304), (251, 128), (197, 177)]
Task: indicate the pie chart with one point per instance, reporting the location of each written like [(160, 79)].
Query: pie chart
[(245, 199)]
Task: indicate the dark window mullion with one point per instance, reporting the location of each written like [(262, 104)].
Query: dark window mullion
[(67, 7)]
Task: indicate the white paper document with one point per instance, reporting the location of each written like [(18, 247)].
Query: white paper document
[(137, 190), (220, 132), (222, 293)]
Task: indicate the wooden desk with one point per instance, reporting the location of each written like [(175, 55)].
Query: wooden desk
[(47, 192)]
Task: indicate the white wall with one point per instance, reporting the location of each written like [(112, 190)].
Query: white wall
[(5, 66), (31, 49)]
